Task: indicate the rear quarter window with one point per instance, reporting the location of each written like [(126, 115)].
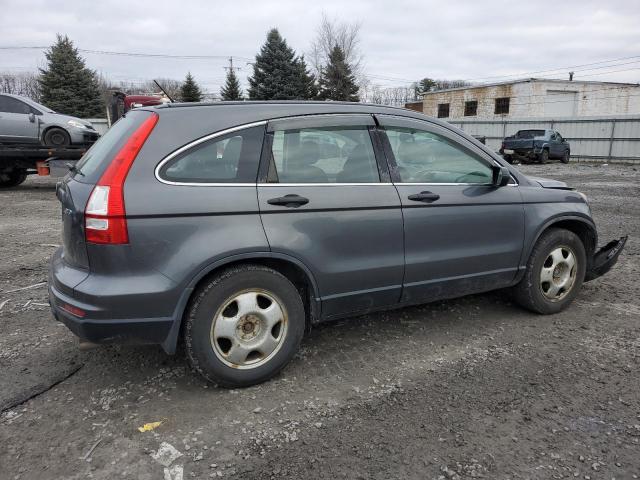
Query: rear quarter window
[(228, 158)]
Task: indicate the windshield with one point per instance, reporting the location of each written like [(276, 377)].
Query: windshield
[(530, 133), (38, 105)]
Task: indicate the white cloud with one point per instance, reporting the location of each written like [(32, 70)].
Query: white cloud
[(400, 39)]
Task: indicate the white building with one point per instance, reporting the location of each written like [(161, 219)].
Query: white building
[(532, 97)]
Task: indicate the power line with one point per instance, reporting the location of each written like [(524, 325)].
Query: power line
[(133, 54)]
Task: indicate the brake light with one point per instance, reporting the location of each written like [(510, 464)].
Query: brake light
[(105, 216)]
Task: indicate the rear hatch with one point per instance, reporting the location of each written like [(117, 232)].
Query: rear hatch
[(74, 191)]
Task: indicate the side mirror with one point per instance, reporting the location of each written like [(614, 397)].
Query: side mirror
[(32, 117), (501, 176)]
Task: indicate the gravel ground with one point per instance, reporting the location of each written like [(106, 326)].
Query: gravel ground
[(474, 387)]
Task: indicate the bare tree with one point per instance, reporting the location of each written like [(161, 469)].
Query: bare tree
[(25, 84), (332, 32)]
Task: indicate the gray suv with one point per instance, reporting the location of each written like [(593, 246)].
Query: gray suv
[(24, 121), (237, 226)]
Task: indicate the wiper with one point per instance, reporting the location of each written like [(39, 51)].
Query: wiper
[(73, 169)]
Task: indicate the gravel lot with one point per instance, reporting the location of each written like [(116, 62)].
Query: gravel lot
[(474, 387)]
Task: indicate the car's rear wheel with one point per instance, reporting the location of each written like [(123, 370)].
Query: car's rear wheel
[(244, 326), (554, 274), (12, 178), (57, 137), (544, 156), (565, 157)]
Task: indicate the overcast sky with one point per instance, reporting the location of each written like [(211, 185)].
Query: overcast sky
[(400, 40)]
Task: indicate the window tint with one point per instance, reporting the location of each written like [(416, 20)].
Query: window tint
[(425, 157), (323, 155), (12, 105), (231, 158)]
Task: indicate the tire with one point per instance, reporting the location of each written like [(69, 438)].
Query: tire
[(248, 348), (544, 156), (57, 137), (565, 157), (536, 294), (12, 178), (509, 159)]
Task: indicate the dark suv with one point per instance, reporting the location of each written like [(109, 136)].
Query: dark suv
[(236, 226)]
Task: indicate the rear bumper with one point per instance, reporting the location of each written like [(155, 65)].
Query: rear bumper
[(138, 330), (102, 309), (605, 258)]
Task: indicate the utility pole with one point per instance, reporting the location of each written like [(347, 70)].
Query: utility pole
[(231, 68)]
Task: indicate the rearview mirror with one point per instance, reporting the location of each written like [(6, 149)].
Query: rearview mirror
[(501, 176), (32, 117)]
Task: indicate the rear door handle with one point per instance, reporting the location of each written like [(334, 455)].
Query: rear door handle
[(426, 197), (291, 201)]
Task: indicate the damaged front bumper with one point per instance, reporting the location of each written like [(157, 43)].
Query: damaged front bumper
[(605, 258)]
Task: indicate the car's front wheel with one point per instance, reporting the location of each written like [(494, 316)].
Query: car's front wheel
[(244, 326), (57, 137), (565, 157), (554, 274)]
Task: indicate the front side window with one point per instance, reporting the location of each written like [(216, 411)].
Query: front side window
[(426, 157), (323, 155), (231, 158), (11, 105)]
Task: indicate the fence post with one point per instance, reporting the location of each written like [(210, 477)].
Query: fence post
[(612, 138)]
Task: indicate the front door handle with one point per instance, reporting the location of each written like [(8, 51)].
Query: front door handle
[(426, 197), (291, 201)]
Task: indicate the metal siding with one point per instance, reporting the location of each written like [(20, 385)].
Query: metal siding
[(610, 138)]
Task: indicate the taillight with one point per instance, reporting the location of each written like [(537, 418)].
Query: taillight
[(105, 216)]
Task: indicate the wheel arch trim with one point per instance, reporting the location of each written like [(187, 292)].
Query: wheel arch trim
[(170, 343), (552, 221)]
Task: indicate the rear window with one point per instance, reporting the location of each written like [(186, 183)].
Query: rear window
[(530, 133), (93, 163)]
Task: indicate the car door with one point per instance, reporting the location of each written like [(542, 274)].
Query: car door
[(18, 122), (462, 233), (559, 146), (326, 200)]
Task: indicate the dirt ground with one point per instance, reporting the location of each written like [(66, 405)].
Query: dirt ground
[(474, 387)]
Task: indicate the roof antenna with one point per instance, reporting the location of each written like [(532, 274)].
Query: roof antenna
[(164, 91)]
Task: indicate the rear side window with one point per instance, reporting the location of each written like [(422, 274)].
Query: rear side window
[(231, 158), (323, 155), (102, 152)]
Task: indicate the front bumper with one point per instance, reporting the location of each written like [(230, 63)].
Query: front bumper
[(605, 258), (82, 136)]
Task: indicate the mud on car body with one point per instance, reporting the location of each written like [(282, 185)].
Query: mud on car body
[(236, 226)]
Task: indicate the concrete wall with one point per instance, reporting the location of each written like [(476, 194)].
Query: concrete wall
[(614, 139), (540, 98)]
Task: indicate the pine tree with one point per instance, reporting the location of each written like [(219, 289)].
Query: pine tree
[(308, 86), (231, 89), (190, 91), (278, 74), (337, 81), (67, 85)]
